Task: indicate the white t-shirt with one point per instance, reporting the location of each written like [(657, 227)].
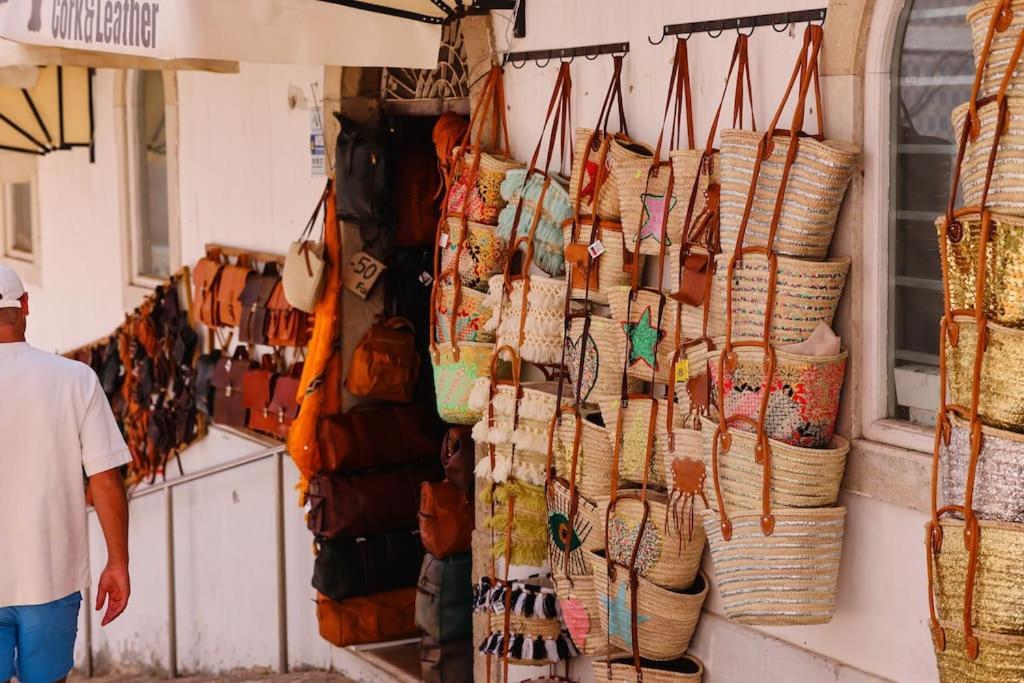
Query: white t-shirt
[(54, 421)]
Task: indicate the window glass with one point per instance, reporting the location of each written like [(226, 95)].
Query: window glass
[(19, 196), (151, 232)]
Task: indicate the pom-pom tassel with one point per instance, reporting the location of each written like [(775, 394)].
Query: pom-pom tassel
[(551, 647), (528, 650), (522, 597), (550, 608)]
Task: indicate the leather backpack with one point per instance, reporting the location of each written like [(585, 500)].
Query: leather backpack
[(377, 437), (252, 327), (385, 364), (284, 403), (458, 456), (228, 403), (446, 519), (369, 502), (354, 566), (369, 619), (286, 325), (363, 182), (446, 662), (257, 387), (444, 598), (228, 305), (206, 276)]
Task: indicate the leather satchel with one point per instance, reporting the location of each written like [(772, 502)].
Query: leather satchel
[(206, 276), (445, 662), (377, 437), (446, 519), (257, 388), (385, 364), (228, 304), (444, 598), (364, 503), (284, 404), (458, 455), (351, 567), (252, 328), (369, 619), (229, 404), (363, 176), (286, 326), (205, 367)]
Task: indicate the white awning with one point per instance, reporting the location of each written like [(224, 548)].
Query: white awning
[(332, 33)]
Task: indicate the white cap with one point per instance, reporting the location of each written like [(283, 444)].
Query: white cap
[(11, 289)]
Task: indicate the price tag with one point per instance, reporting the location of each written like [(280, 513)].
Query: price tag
[(682, 370), (595, 249), (426, 279), (361, 274), (444, 240), (498, 607)]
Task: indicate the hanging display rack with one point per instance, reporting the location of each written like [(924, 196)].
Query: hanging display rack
[(566, 54), (779, 22), (450, 10)]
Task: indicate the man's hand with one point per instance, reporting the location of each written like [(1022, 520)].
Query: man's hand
[(113, 589)]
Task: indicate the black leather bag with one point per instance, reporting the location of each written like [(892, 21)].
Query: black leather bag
[(355, 566), (363, 181), (205, 366)]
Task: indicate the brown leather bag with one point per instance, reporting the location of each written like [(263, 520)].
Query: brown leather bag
[(284, 404), (369, 502), (385, 364), (446, 519), (206, 276), (377, 437), (252, 328), (286, 326), (369, 619), (257, 388), (448, 131), (229, 399), (228, 305), (458, 455)]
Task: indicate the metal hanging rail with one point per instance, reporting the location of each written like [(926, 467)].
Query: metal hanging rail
[(565, 54), (779, 22)]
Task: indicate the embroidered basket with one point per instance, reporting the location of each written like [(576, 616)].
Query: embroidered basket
[(569, 543), (685, 669), (454, 375), (544, 323), (804, 399), (799, 560), (801, 477), (666, 618), (997, 492), (602, 355), (643, 203), (536, 408), (480, 195), (1004, 193), (483, 254), (1002, 382), (583, 176), (577, 601), (1000, 657), (817, 182), (594, 462), (606, 271), (1004, 266), (636, 426), (999, 52), (547, 240), (471, 318), (806, 293), (648, 343)]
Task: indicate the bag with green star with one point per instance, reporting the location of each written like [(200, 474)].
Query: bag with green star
[(647, 317)]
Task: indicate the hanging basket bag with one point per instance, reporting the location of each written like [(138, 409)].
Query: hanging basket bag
[(685, 669), (1002, 383), (456, 367), (640, 417), (997, 495), (1004, 193), (525, 612), (580, 609), (648, 322), (520, 186), (1000, 657), (804, 398), (470, 320), (594, 460), (529, 523), (541, 324), (608, 270), (600, 347), (483, 253), (478, 195), (999, 48)]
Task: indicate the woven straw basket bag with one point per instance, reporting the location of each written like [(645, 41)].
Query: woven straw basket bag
[(536, 408), (454, 374), (602, 354), (644, 204), (483, 253), (997, 493), (1004, 265), (800, 477), (594, 460), (1000, 657), (480, 194), (667, 618), (607, 270), (620, 150), (999, 52), (521, 186), (648, 341), (685, 669), (581, 536), (543, 326), (800, 560), (804, 399), (577, 601), (1002, 383), (470, 320), (526, 635), (636, 426), (806, 293), (1005, 193), (529, 521)]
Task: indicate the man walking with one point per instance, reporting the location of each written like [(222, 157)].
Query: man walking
[(55, 423)]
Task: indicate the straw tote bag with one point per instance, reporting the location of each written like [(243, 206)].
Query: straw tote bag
[(597, 346), (652, 200), (685, 669), (647, 316), (997, 495), (996, 48), (525, 189), (304, 271), (483, 253), (817, 171), (469, 318)]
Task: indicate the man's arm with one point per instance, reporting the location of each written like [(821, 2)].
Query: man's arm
[(111, 503)]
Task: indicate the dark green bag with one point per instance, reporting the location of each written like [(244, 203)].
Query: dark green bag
[(444, 598)]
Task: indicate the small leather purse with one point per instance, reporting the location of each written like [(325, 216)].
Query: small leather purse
[(385, 364)]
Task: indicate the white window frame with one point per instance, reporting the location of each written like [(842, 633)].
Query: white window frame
[(20, 168), (137, 286)]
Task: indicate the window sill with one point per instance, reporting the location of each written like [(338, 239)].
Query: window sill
[(891, 473)]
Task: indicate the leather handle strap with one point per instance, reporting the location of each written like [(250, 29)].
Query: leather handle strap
[(634, 578), (1002, 15)]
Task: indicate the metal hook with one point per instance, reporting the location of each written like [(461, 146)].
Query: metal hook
[(544, 65), (517, 66), (592, 57), (714, 35), (776, 28), (741, 33), (659, 42), (820, 19), (562, 60)]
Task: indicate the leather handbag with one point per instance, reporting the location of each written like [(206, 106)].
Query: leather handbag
[(205, 367), (355, 566), (257, 388), (363, 180), (458, 456), (448, 131), (287, 325), (227, 381), (377, 437), (284, 403), (206, 276), (444, 598), (305, 268), (446, 519), (252, 328), (446, 662), (369, 619), (228, 304), (385, 365), (362, 503)]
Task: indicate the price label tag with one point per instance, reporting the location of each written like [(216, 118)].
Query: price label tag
[(498, 607), (444, 240), (361, 274), (682, 370), (595, 249), (426, 279)]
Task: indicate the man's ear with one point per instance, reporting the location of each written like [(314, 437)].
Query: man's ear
[(24, 304)]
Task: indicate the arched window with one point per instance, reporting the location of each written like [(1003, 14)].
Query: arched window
[(933, 68)]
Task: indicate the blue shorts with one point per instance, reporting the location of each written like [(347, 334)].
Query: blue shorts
[(38, 642)]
